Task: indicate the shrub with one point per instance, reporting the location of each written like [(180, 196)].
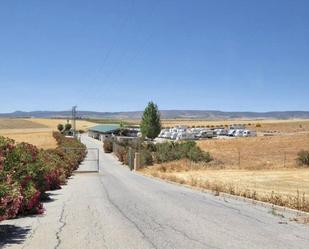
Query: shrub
[(170, 151), (60, 127), (146, 157), (303, 157), (258, 125), (195, 154), (108, 146), (122, 155), (26, 173), (67, 127)]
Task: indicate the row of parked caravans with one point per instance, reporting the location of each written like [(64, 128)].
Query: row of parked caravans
[(184, 133)]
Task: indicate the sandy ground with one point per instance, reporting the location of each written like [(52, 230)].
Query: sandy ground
[(119, 209)]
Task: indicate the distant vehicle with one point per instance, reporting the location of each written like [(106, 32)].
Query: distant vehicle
[(185, 136), (231, 133), (221, 132), (207, 134), (238, 133), (248, 133), (174, 135)]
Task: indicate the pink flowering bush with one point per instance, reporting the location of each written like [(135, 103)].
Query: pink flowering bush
[(26, 173)]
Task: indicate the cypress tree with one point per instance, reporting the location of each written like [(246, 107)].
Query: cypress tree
[(151, 123)]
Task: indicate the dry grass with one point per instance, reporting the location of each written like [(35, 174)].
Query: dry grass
[(8, 123), (40, 139), (285, 187), (52, 123), (256, 152), (35, 131)]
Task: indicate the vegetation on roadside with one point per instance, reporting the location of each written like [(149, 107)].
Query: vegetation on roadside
[(303, 157), (158, 152), (26, 173), (108, 146), (65, 129), (176, 172)]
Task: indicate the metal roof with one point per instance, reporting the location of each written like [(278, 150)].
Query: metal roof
[(105, 128)]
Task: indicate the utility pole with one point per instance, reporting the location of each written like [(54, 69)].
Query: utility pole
[(74, 120)]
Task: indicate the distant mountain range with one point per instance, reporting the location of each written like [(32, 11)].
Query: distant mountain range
[(165, 114)]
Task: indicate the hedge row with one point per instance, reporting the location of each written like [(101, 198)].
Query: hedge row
[(160, 152), (26, 173)]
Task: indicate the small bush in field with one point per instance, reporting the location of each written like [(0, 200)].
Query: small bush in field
[(60, 127), (303, 157), (108, 146), (195, 154), (170, 151), (258, 125), (146, 157)]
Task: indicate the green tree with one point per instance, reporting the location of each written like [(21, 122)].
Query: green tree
[(151, 124), (60, 127), (67, 127)]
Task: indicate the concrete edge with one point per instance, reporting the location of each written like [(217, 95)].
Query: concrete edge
[(235, 197)]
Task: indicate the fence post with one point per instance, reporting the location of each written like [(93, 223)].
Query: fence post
[(137, 161), (284, 159), (130, 158)]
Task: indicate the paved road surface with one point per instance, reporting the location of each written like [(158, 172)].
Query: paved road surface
[(122, 209)]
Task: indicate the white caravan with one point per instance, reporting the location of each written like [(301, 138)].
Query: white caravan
[(248, 133)]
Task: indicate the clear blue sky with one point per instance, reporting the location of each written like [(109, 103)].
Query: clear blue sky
[(117, 55)]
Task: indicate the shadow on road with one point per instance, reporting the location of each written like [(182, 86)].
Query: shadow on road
[(11, 234)]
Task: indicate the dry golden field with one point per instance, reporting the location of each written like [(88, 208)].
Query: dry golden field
[(283, 181), (35, 131), (256, 152), (262, 168), (286, 187), (297, 125)]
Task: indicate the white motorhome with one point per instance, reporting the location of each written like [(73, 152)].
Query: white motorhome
[(207, 134), (248, 133), (231, 132), (221, 132), (238, 133), (185, 136)]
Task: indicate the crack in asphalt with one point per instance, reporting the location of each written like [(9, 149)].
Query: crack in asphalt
[(63, 223), (127, 218)]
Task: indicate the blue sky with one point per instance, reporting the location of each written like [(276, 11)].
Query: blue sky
[(117, 55)]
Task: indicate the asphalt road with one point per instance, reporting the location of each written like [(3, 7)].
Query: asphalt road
[(121, 209)]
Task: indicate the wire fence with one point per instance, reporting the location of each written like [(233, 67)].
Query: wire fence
[(248, 159)]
